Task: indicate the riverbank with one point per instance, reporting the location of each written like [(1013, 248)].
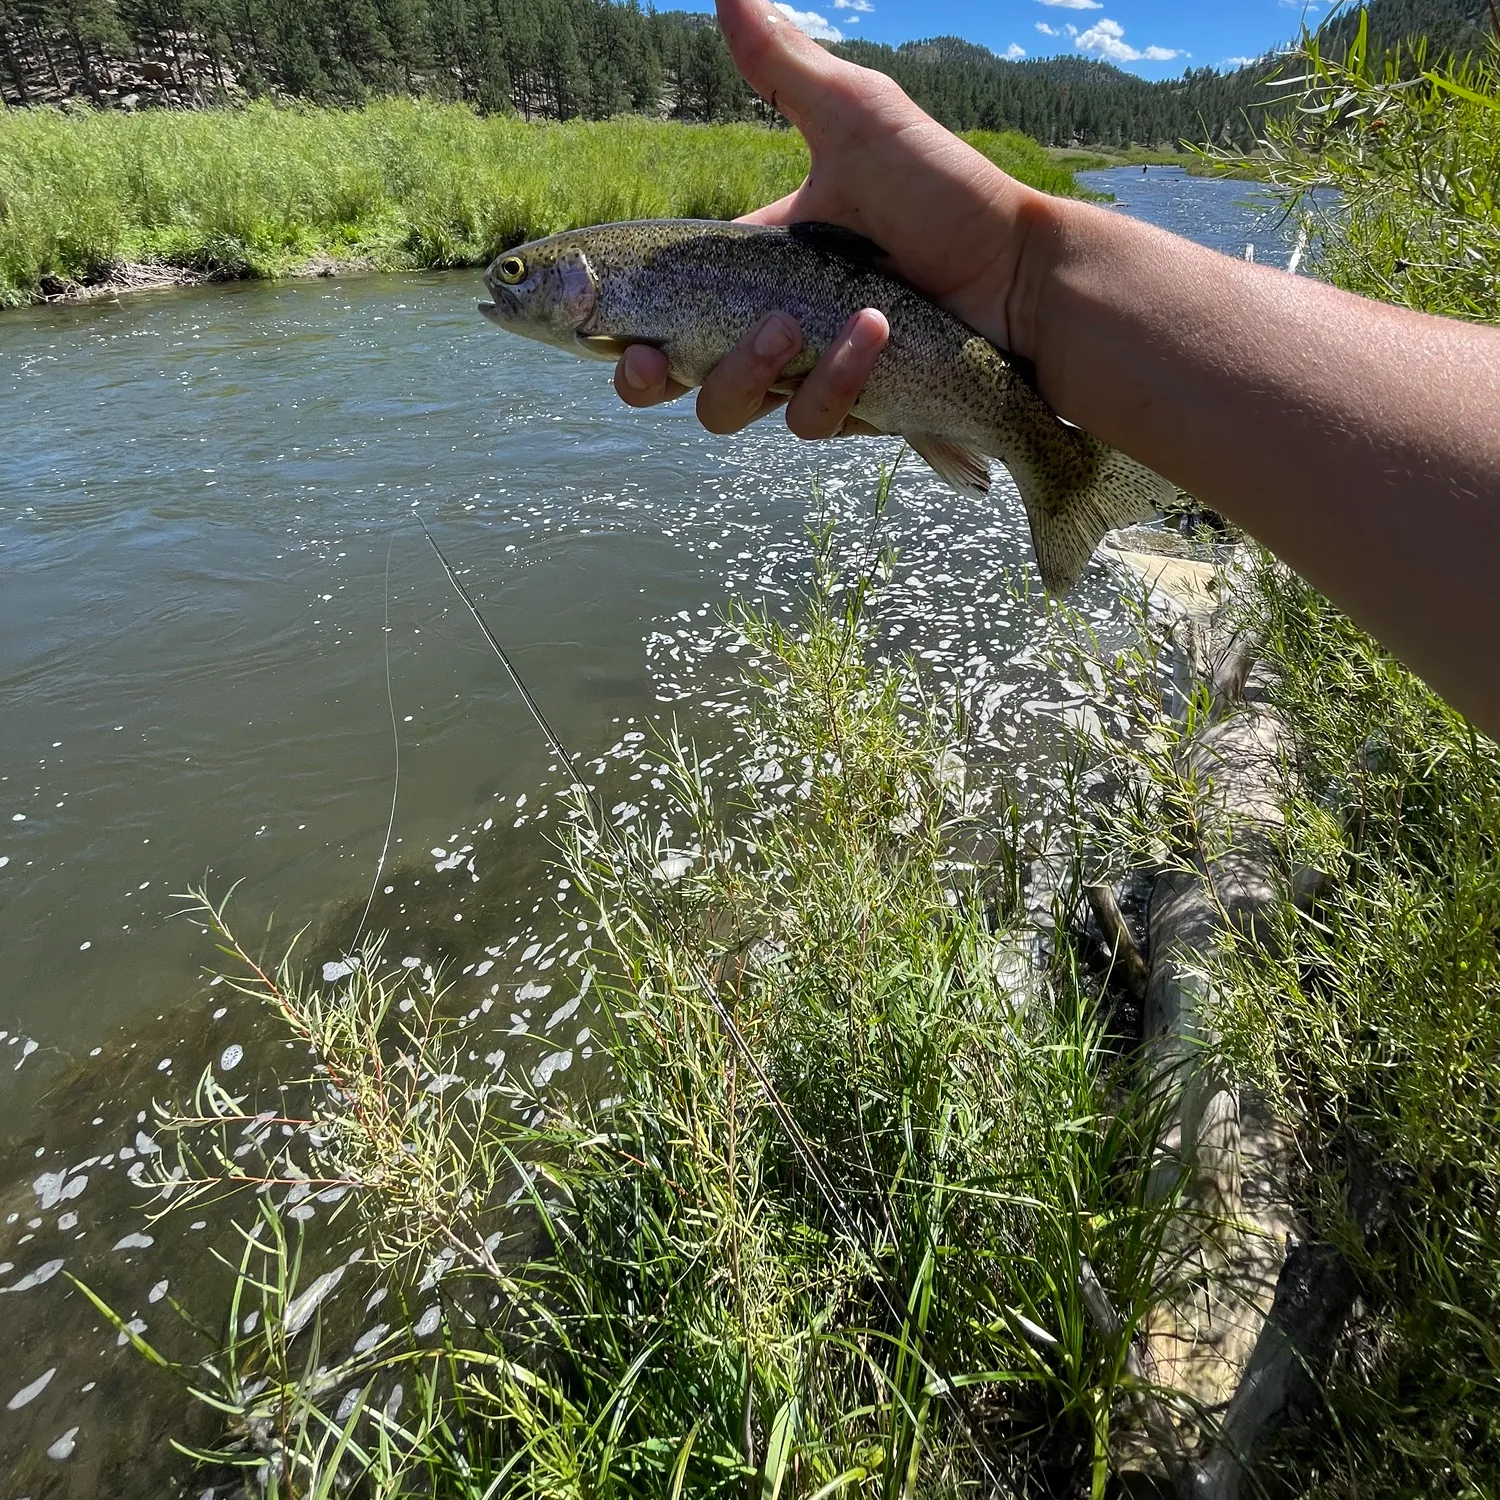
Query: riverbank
[(849, 1160), (1197, 163), (677, 1308), (95, 200), (885, 1116)]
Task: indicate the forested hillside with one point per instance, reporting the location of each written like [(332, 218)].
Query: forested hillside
[(565, 59), (1457, 26), (1066, 100)]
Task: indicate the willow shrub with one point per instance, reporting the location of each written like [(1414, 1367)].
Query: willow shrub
[(1397, 176), (1375, 1014), (398, 184)]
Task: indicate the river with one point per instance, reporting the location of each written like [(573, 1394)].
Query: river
[(221, 629)]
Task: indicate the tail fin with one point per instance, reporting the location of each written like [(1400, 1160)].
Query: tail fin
[(1076, 490)]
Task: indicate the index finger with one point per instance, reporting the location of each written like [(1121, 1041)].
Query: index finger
[(642, 377)]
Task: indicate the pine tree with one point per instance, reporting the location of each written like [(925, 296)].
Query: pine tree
[(561, 58), (10, 51), (405, 26)]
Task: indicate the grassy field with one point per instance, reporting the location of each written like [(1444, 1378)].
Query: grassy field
[(397, 185)]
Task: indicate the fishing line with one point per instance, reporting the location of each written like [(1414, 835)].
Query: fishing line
[(704, 981), (700, 976), (390, 703)]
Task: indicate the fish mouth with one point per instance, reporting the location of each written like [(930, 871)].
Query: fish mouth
[(504, 308)]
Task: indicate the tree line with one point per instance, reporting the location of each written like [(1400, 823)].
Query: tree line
[(564, 59)]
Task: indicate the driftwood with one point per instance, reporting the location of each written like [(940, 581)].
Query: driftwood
[(1229, 1152), (1315, 1298), (1118, 941), (1246, 1321)]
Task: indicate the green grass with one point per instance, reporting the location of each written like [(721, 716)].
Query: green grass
[(1094, 159), (1090, 159), (397, 185), (1373, 1016), (1398, 179)]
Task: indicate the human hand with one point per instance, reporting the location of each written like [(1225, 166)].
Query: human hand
[(952, 223)]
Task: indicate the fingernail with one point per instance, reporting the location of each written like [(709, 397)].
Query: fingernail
[(633, 377), (868, 333), (775, 337)]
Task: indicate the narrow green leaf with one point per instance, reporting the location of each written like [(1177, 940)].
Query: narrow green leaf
[(779, 1449)]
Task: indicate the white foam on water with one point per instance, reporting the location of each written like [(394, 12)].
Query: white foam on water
[(29, 1393), (43, 1273), (63, 1447), (549, 1067)]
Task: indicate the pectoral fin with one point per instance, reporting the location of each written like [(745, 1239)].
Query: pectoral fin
[(967, 470), (604, 345)]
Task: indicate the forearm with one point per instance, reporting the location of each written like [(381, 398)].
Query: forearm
[(1360, 442)]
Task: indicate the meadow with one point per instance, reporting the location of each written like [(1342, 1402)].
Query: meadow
[(397, 185)]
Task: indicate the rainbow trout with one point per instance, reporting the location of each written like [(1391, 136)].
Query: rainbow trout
[(694, 287)]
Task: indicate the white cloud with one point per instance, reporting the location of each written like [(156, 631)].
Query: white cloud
[(1047, 30), (1074, 4), (862, 6), (811, 23), (1015, 52), (1239, 62), (1106, 39)]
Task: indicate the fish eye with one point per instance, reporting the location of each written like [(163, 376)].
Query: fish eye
[(511, 270)]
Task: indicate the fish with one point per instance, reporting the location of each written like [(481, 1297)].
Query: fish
[(694, 287)]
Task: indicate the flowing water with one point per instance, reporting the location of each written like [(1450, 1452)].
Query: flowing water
[(221, 629)]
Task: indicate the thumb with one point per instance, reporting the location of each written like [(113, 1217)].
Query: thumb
[(788, 70)]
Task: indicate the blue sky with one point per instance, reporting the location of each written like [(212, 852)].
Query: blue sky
[(1154, 38)]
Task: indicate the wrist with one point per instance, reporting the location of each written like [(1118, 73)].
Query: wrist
[(1041, 230)]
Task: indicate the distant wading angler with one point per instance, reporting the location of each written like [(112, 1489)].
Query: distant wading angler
[(694, 288)]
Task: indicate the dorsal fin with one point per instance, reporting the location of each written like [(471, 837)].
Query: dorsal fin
[(835, 240)]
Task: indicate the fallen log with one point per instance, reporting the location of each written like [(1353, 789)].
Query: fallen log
[(1221, 1149)]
